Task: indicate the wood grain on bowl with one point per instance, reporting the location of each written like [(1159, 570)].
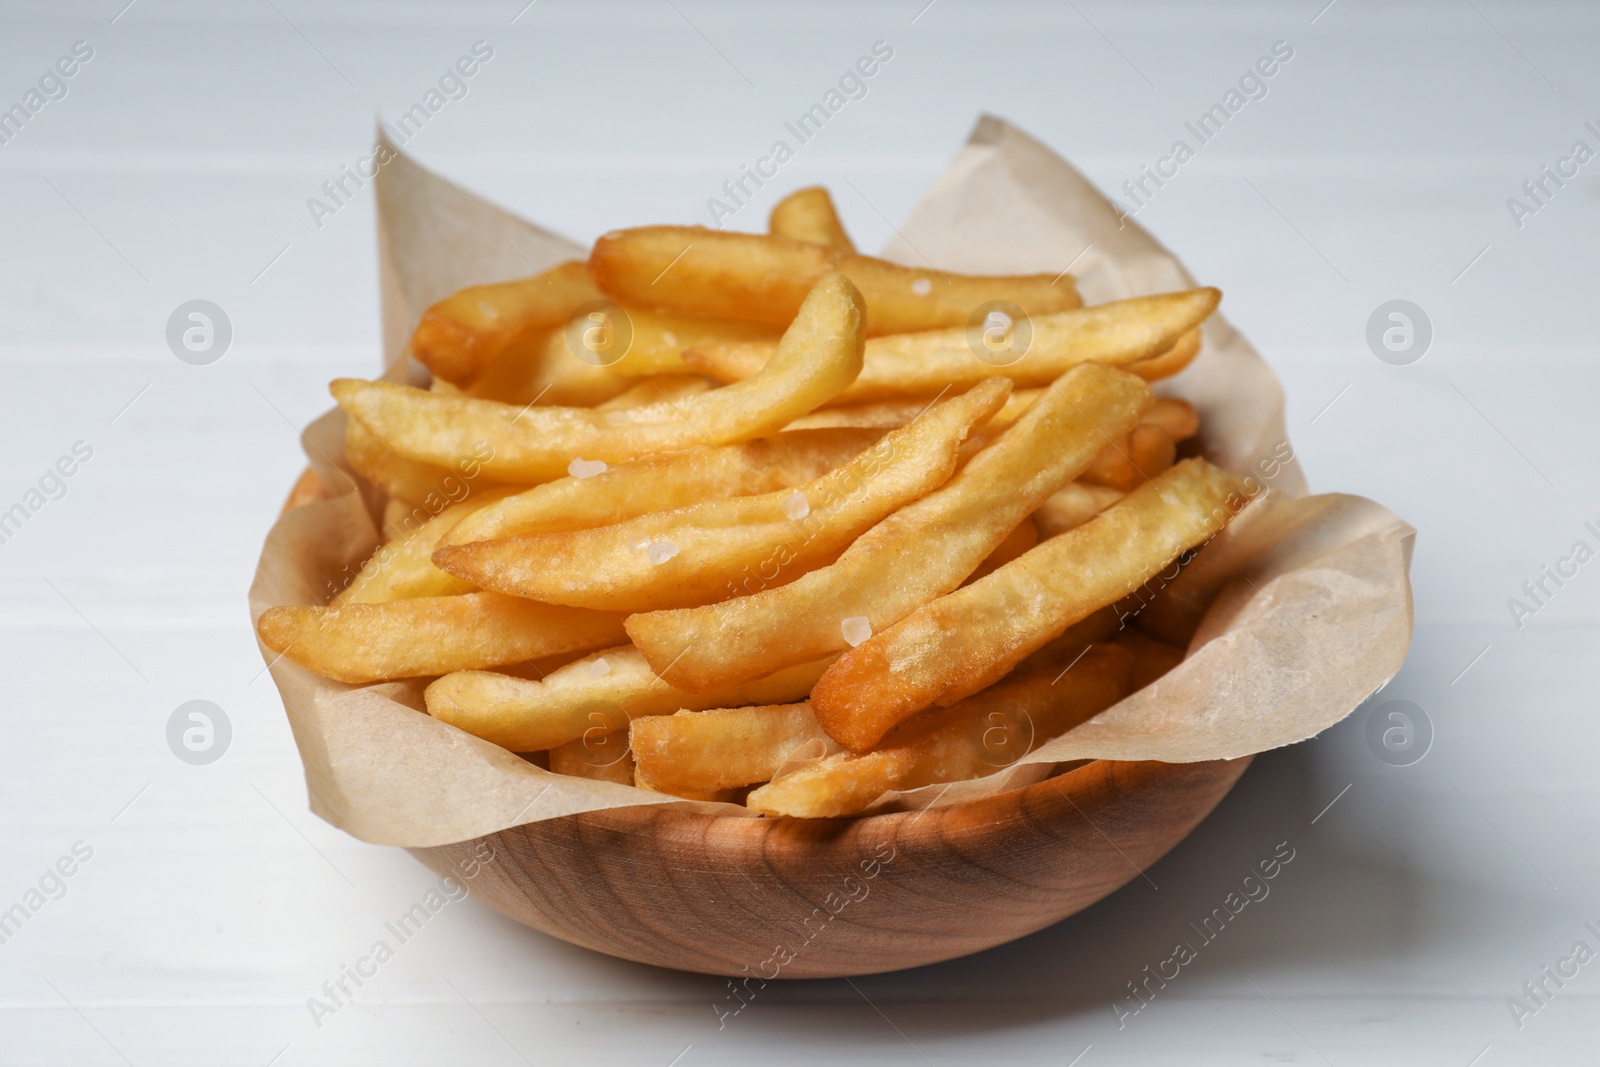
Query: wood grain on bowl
[(817, 898)]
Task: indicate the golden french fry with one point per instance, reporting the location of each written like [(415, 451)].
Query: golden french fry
[(808, 215), (978, 736), (417, 485), (761, 277), (602, 691), (1170, 362), (951, 647), (603, 756), (882, 415), (1018, 541), (699, 752), (819, 356), (460, 336), (1151, 658), (402, 568), (656, 389), (359, 643), (918, 364), (922, 551), (1174, 415), (1133, 458), (665, 481), (571, 366), (718, 548), (1072, 506)]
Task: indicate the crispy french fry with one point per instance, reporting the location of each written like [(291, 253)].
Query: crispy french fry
[(1170, 362), (566, 366), (714, 549), (665, 481), (699, 752), (414, 638), (1174, 415), (602, 691), (415, 484), (882, 415), (460, 336), (808, 215), (1072, 506), (1018, 541), (601, 755), (918, 364), (978, 736), (1151, 658), (920, 552), (819, 356), (951, 647), (402, 568), (656, 389), (761, 277), (1133, 458)]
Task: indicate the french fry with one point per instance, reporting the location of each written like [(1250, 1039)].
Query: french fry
[(1171, 361), (978, 736), (422, 636), (1018, 541), (700, 271), (699, 752), (819, 356), (602, 691), (600, 755), (921, 364), (415, 484), (554, 371), (1151, 658), (1133, 458), (1174, 415), (665, 481), (656, 389), (1071, 506), (402, 568), (808, 215), (954, 646), (717, 548), (460, 336), (920, 552)]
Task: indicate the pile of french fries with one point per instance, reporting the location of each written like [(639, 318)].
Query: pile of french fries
[(757, 518)]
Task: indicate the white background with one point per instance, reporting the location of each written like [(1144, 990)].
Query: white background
[(1377, 167)]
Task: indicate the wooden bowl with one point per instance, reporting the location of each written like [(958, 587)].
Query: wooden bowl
[(820, 898)]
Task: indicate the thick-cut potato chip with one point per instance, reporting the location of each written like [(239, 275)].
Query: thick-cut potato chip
[(655, 389), (600, 692), (460, 336), (569, 365), (819, 356), (921, 364), (699, 752), (978, 736), (601, 755), (808, 215), (1073, 505), (403, 568), (359, 643), (951, 647), (720, 548), (1171, 361), (920, 552), (761, 277), (1133, 458), (666, 481)]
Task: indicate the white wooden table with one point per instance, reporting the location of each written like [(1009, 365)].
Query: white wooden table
[(1377, 166)]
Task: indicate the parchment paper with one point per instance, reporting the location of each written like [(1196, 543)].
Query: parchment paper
[(1303, 628)]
